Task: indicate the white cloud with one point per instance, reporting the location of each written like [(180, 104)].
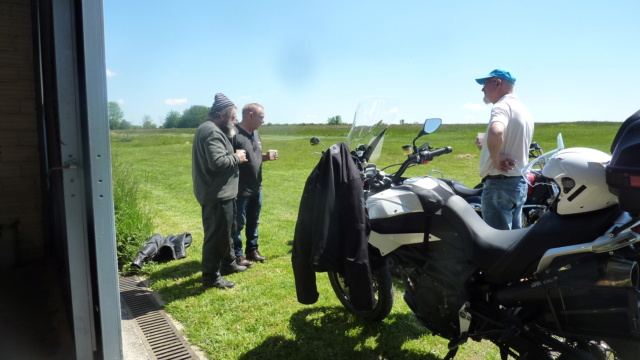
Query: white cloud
[(474, 107), (175, 101), (110, 73), (120, 101)]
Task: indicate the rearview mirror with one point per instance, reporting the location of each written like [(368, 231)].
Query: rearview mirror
[(431, 125)]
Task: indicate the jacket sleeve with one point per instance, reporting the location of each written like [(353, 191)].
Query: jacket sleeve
[(220, 157), (303, 272), (148, 250), (356, 245)]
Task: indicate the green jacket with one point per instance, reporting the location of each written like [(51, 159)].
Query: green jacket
[(214, 166)]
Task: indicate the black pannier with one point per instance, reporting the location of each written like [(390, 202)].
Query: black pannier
[(623, 172)]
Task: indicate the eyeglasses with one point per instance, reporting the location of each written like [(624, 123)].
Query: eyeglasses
[(490, 82)]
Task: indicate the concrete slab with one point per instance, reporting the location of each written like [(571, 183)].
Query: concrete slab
[(132, 346)]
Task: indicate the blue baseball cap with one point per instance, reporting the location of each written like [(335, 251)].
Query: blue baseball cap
[(500, 74)]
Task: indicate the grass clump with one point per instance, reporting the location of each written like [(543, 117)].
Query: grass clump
[(134, 223)]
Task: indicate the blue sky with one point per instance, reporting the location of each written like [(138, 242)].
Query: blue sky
[(306, 61)]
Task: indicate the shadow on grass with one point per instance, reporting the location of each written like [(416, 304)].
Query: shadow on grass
[(332, 333), (184, 284), (179, 269)]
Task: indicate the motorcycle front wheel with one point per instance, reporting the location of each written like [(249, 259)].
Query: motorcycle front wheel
[(383, 294)]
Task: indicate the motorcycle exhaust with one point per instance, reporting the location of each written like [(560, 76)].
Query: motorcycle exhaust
[(613, 272), (619, 272)]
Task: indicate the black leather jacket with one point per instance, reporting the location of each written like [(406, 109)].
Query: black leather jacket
[(159, 248), (331, 230)]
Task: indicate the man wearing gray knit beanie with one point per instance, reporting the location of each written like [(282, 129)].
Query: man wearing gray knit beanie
[(215, 185)]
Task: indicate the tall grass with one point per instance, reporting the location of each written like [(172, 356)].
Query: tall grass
[(134, 224), (260, 317)]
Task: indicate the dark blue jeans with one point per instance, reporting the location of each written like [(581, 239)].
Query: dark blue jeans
[(247, 218)]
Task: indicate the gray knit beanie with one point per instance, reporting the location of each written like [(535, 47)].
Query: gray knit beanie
[(220, 102)]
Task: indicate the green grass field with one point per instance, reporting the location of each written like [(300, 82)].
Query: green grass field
[(260, 317)]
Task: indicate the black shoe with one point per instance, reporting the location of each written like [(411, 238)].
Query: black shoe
[(221, 283), (227, 269)]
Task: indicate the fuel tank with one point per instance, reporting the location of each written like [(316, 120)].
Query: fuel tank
[(397, 216), (400, 200)]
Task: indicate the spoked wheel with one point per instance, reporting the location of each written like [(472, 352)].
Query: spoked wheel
[(383, 294)]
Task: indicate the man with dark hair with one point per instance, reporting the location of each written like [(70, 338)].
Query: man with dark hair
[(215, 185), (506, 149), (249, 200)]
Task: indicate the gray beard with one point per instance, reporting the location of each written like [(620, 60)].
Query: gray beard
[(228, 128), (232, 131), (486, 100)]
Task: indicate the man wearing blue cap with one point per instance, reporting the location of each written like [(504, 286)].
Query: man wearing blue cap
[(504, 152)]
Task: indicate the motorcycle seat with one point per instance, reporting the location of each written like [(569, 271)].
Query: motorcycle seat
[(461, 190), (506, 255)]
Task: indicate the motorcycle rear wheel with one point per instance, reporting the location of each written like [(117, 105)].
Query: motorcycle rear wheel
[(383, 294)]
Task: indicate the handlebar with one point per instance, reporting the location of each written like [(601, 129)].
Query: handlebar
[(427, 155), (418, 158), (377, 180)]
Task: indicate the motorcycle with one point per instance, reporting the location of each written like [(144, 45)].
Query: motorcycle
[(564, 288)]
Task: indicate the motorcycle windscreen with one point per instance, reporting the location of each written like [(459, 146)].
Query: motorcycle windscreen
[(370, 122), (538, 163)]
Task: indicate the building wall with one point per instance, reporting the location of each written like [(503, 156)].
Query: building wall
[(20, 175)]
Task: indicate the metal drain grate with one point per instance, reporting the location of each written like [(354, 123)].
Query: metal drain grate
[(161, 338)]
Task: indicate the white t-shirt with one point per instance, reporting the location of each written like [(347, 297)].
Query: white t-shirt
[(518, 133)]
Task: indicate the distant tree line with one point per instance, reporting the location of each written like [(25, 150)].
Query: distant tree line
[(189, 119)]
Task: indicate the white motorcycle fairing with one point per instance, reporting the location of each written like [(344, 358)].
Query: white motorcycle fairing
[(387, 243), (388, 209), (397, 201)]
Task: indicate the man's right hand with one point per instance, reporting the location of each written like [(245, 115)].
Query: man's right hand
[(505, 163), (242, 155)]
